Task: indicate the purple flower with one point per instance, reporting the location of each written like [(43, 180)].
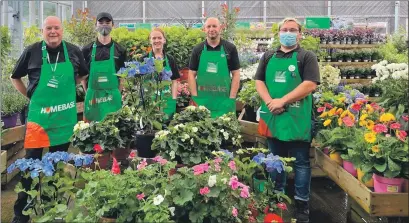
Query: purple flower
[(166, 74), (149, 61)]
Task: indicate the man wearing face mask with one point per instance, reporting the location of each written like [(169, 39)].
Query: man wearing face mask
[(104, 58), (285, 79)]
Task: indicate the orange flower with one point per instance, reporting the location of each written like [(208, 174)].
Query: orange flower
[(375, 149)]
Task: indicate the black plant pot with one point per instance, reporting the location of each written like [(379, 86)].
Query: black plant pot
[(250, 114), (143, 145)]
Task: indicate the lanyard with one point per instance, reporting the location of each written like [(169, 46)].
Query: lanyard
[(56, 62)]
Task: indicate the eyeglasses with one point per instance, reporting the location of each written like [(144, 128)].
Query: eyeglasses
[(289, 30)]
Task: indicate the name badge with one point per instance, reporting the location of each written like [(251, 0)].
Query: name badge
[(102, 79), (211, 67), (53, 83), (280, 76)]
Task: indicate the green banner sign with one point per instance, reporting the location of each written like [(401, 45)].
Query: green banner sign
[(143, 26), (197, 25), (317, 22), (127, 25), (242, 25)]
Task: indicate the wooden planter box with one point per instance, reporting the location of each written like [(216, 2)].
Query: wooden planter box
[(376, 204)]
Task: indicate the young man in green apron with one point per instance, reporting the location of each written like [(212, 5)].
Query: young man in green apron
[(210, 66), (285, 79), (53, 68), (104, 57)]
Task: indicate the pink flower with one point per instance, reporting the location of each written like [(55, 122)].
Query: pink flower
[(115, 167), (348, 121), (140, 196), (378, 128), (132, 154), (201, 168), (234, 183), (388, 135), (142, 165), (327, 105), (234, 212), (218, 160), (375, 106), (282, 206), (232, 165), (395, 125), (320, 109), (406, 118), (401, 135), (160, 160), (98, 148), (244, 193), (356, 107), (204, 190)]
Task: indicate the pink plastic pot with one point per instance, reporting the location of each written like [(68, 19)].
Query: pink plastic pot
[(349, 167), (387, 185)]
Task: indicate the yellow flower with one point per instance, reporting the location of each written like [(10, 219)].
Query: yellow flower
[(327, 122), (352, 116), (341, 100), (370, 124), (340, 121), (387, 117), (370, 137), (362, 123), (375, 149), (339, 111), (344, 114), (363, 117), (323, 115), (332, 112), (369, 108)]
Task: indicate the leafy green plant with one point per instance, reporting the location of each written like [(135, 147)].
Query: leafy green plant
[(248, 95), (136, 42), (12, 100), (5, 43), (80, 29), (32, 35)]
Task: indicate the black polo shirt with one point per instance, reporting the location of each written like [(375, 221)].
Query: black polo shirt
[(306, 60), (232, 56), (30, 63), (172, 63), (102, 53)]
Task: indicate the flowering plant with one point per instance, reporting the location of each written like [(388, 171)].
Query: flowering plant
[(248, 95), (248, 72), (330, 77), (46, 202), (183, 95)]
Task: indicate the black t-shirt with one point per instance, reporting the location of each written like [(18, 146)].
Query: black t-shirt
[(306, 60), (30, 63), (172, 63), (102, 53), (232, 56)]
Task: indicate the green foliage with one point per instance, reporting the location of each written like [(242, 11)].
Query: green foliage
[(136, 42), (394, 93), (80, 30), (32, 35), (248, 94), (5, 43), (12, 100), (395, 49)]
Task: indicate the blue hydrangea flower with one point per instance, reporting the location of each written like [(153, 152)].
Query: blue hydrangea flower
[(132, 72), (143, 69), (88, 159), (259, 158), (227, 153), (34, 174), (149, 61), (166, 74)]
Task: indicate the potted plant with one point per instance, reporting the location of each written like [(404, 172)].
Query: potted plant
[(375, 55), (13, 103), (359, 72), (357, 55), (338, 55), (183, 98), (366, 54), (348, 54), (251, 99)]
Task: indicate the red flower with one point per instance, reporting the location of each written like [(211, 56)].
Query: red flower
[(270, 217), (406, 118), (375, 106), (98, 148), (327, 105), (282, 206), (356, 107), (395, 125), (320, 109), (348, 121), (266, 209), (378, 128), (132, 154), (115, 167), (401, 135)]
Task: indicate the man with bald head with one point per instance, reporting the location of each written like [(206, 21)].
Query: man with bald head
[(53, 67), (210, 66)]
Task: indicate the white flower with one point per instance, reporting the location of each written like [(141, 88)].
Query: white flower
[(221, 130), (191, 141), (201, 107), (191, 107), (158, 200), (186, 136), (172, 154), (195, 129), (239, 137), (212, 180), (172, 211), (226, 135), (224, 180), (179, 125)]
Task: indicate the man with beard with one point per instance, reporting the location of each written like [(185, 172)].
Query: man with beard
[(104, 58), (210, 65), (53, 67)]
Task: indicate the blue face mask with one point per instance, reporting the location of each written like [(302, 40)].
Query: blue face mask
[(288, 38)]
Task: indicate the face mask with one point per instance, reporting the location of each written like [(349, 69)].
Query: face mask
[(104, 30), (288, 38)]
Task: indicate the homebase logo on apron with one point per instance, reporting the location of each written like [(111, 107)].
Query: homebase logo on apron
[(100, 100), (57, 108)]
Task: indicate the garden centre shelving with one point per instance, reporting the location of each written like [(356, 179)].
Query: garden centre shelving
[(375, 204), (349, 63), (348, 46)]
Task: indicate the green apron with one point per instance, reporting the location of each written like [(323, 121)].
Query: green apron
[(103, 95), (282, 76), (214, 82), (52, 111), (166, 93)]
